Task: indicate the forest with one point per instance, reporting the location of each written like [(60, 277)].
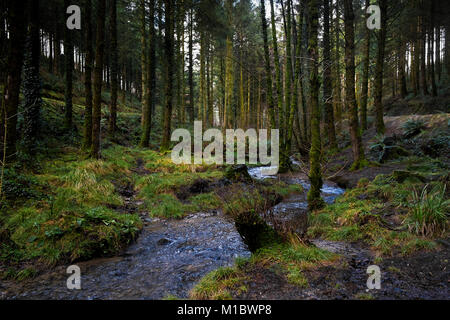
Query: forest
[(92, 205)]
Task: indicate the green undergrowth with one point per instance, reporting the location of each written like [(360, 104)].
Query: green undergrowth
[(290, 259), (159, 187), (382, 212), (218, 284), (65, 212)]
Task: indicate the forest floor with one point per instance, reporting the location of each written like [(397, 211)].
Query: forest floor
[(168, 231), (364, 227)]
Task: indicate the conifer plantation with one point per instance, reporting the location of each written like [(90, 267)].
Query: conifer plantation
[(354, 96)]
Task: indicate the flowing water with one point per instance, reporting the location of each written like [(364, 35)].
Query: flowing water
[(168, 258)]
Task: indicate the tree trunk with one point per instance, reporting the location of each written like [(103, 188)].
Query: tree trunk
[(202, 98), (114, 67), (337, 86), (98, 79), (379, 122), (423, 70), (401, 68), (365, 76), (315, 174), (289, 109), (17, 23), (431, 52), (268, 68), (298, 83), (191, 67), (327, 81), (32, 82), (87, 141), (151, 64), (144, 58), (169, 52), (350, 98), (279, 87), (437, 61), (68, 63)]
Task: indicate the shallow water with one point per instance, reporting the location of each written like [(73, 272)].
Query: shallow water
[(169, 257), (330, 191)]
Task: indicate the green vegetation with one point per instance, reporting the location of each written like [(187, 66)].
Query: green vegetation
[(412, 128), (382, 212), (65, 212), (428, 211), (290, 258), (218, 284)]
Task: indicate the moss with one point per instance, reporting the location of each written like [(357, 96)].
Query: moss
[(219, 284), (364, 296), (73, 219), (293, 258), (356, 216)]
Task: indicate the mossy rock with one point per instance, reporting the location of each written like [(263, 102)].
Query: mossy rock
[(393, 153), (255, 232), (433, 147), (402, 175), (238, 172)]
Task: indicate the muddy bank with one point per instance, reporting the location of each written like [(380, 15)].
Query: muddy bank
[(424, 275), (168, 258)]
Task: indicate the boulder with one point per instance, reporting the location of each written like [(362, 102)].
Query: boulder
[(393, 153), (237, 172), (402, 175)]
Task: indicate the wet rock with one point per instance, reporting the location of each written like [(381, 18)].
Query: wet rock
[(401, 175), (289, 217), (341, 181), (163, 241), (253, 230), (237, 172)]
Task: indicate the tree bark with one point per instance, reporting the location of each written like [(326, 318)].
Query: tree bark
[(279, 87), (365, 76), (169, 52), (32, 81), (17, 23), (98, 79), (379, 122), (315, 175), (191, 67), (87, 141), (68, 63), (269, 95), (350, 98), (114, 67), (151, 64), (327, 81)]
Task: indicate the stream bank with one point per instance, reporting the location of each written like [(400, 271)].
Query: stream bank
[(169, 257)]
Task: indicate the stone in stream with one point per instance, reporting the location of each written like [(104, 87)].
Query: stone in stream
[(237, 172), (289, 217), (163, 241)]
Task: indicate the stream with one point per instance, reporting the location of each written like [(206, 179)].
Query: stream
[(168, 258)]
